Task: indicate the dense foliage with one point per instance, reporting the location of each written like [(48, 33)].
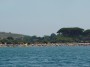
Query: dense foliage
[(71, 31), (64, 35)]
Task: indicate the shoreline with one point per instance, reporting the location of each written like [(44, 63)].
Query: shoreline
[(44, 44)]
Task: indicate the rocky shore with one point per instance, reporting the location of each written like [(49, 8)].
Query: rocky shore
[(49, 44)]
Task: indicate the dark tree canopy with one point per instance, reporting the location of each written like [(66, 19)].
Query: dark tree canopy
[(10, 38), (87, 32), (71, 31)]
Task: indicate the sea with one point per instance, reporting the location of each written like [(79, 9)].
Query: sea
[(45, 56)]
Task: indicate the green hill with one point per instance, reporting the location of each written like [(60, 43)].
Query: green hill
[(5, 35)]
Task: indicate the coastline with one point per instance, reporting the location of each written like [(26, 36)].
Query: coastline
[(44, 44)]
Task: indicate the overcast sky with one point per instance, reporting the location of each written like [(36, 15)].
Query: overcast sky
[(43, 17)]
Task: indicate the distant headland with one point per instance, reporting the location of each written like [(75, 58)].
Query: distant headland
[(65, 36)]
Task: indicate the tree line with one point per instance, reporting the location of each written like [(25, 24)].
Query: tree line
[(64, 35)]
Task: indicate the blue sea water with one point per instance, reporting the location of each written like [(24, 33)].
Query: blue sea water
[(61, 56)]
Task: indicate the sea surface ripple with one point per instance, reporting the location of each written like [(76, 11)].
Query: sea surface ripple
[(51, 56)]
